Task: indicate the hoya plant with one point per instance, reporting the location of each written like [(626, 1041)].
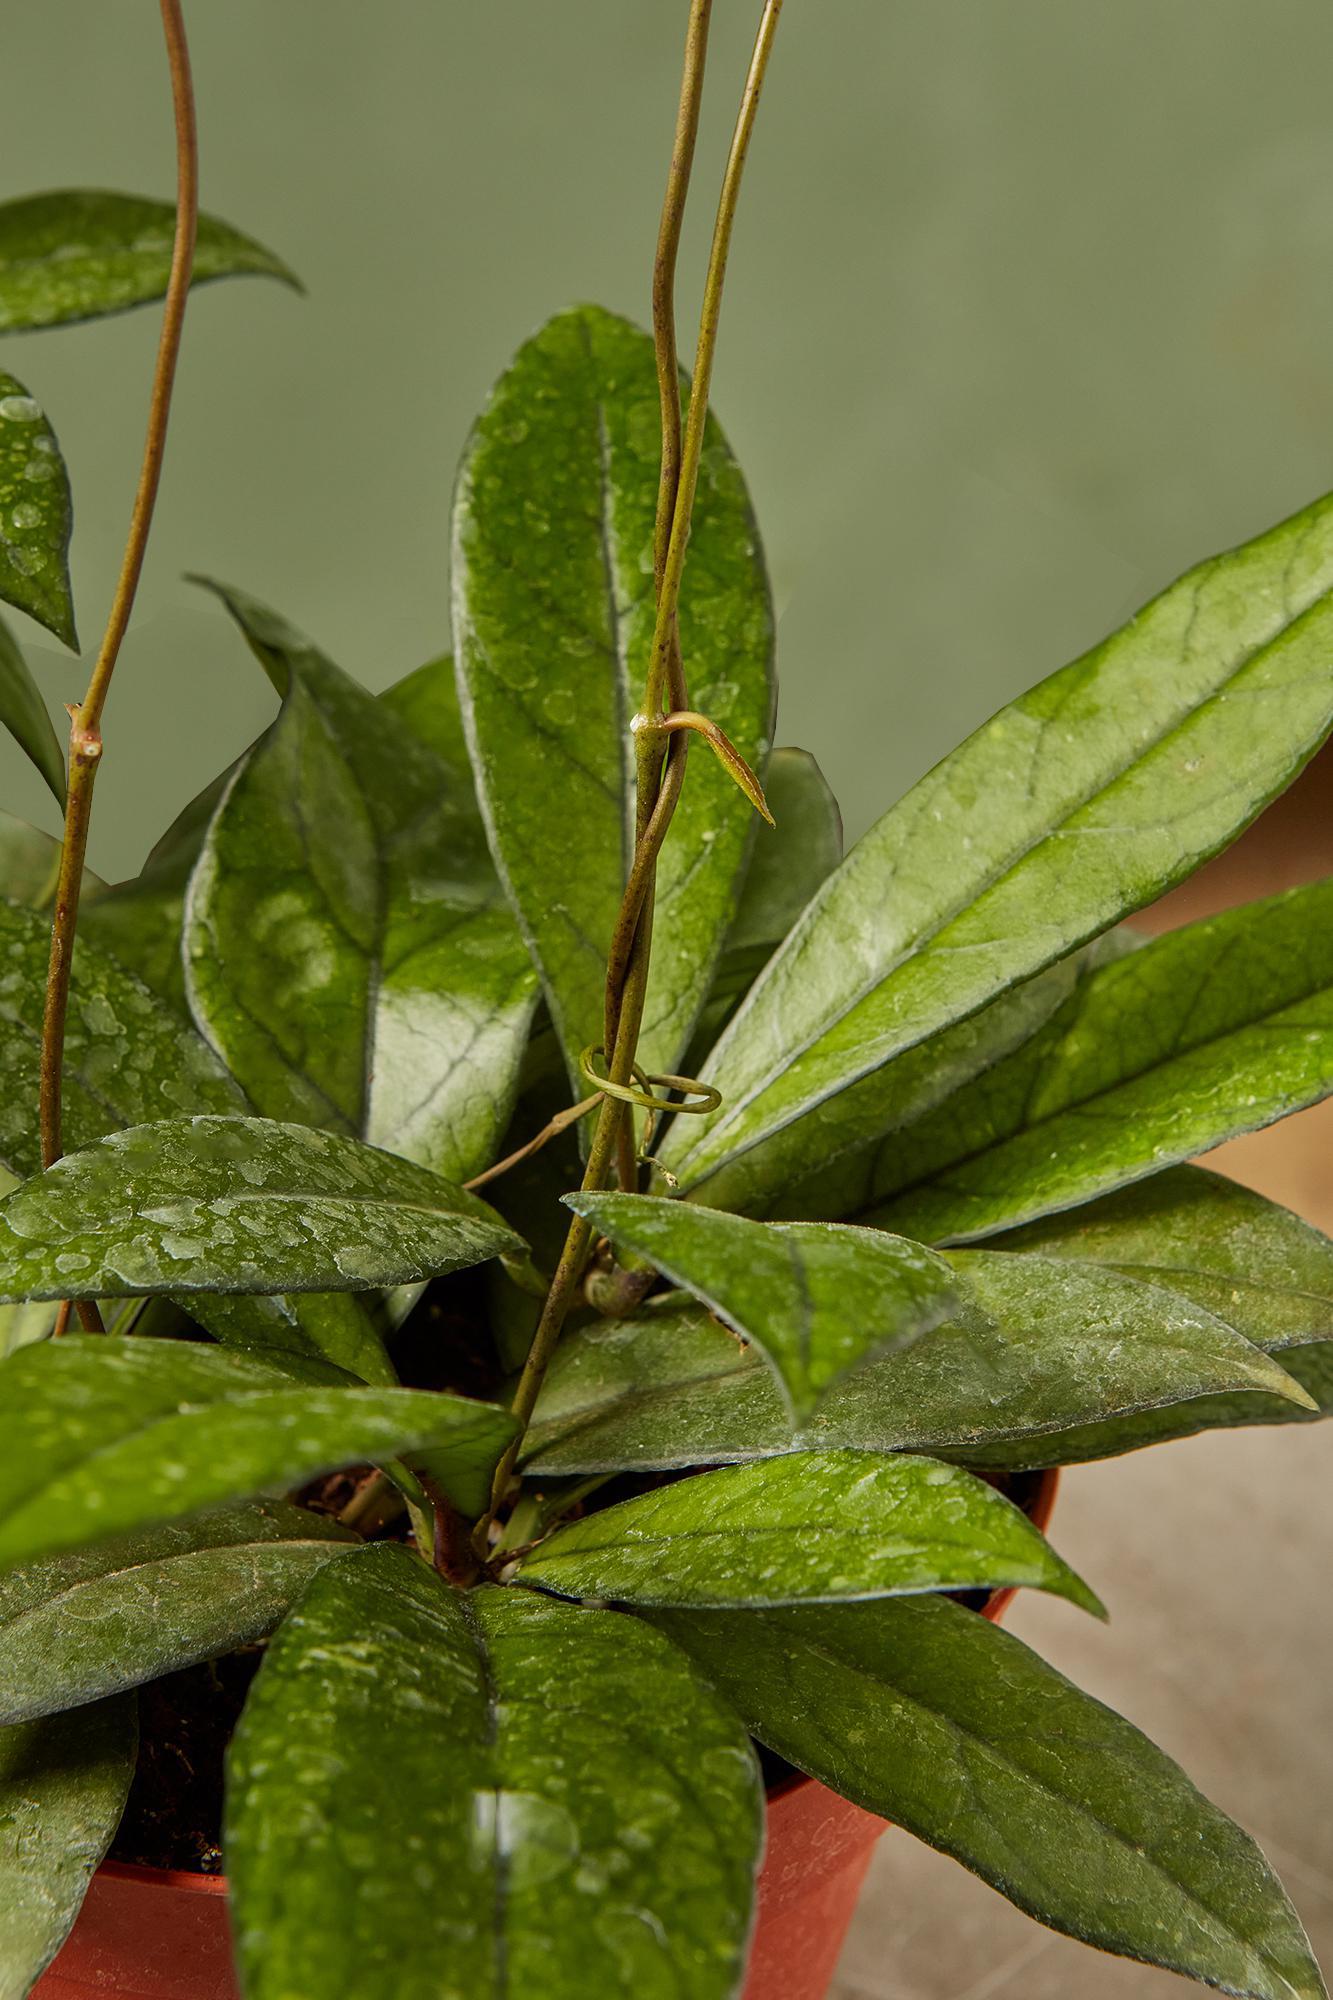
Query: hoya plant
[(828, 1203)]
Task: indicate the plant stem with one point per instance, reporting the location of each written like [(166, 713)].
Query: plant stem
[(85, 738), (661, 757)]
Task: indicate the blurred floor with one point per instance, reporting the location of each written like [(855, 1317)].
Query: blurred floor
[(1213, 1557)]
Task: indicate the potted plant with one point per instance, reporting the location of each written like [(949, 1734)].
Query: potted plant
[(578, 1290)]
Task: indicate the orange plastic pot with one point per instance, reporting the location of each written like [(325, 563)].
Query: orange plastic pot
[(144, 1934)]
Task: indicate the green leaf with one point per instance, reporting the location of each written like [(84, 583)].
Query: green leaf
[(582, 1815), (348, 946), (29, 860), (36, 514), (1037, 1346), (21, 1325), (932, 1717), (128, 1059), (78, 253), (791, 861), (329, 1326), (1209, 1031), (818, 1298), (553, 615), (63, 1786), (75, 1628), (1262, 1269), (427, 701), (102, 1436), (23, 713), (236, 1205), (812, 1528), (1078, 803)]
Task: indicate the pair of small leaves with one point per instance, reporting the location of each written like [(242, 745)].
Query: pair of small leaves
[(102, 1437), (347, 944), (1077, 804), (1051, 1336), (553, 615)]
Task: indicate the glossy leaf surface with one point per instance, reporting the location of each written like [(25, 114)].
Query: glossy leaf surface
[(934, 1718), (75, 1628), (579, 1813), (816, 1297), (1075, 805), (330, 1326), (553, 614), (23, 713), (36, 514), (348, 945), (815, 1527), (77, 253), (236, 1205), (102, 1437), (63, 1786), (1209, 1031)]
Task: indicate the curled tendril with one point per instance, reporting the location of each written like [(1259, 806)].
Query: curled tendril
[(645, 1095)]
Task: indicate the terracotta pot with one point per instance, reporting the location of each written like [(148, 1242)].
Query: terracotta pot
[(144, 1934)]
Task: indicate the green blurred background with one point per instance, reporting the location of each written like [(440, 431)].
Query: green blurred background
[(1031, 305)]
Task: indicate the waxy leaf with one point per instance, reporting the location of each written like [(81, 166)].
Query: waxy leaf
[(580, 1814), (23, 713), (1078, 803), (1209, 1031), (36, 514), (77, 253), (791, 860), (816, 1297), (814, 1528), (1036, 1347), (102, 1437), (329, 1326), (932, 1717), (349, 949), (63, 1786), (236, 1205), (75, 1628), (553, 616)]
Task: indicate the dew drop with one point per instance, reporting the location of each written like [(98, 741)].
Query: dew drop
[(19, 409)]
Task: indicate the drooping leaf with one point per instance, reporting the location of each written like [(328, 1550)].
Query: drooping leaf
[(1209, 1031), (28, 863), (933, 1717), (791, 861), (1075, 805), (581, 1814), (102, 1436), (553, 614), (36, 514), (236, 1205), (128, 1059), (811, 1528), (23, 713), (348, 946), (816, 1297), (76, 1628), (63, 1785), (1254, 1264), (77, 253), (329, 1326), (1036, 1347)]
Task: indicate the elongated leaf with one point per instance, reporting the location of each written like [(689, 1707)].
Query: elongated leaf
[(935, 1718), (23, 713), (102, 1437), (1255, 1265), (20, 1326), (36, 514), (348, 946), (75, 1628), (791, 861), (78, 253), (1077, 804), (329, 1326), (63, 1786), (236, 1205), (1216, 1029), (553, 615), (28, 863), (816, 1527), (582, 1814), (427, 701), (1036, 1347), (128, 1059), (816, 1297)]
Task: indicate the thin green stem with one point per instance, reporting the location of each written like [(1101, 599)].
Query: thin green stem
[(85, 741)]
